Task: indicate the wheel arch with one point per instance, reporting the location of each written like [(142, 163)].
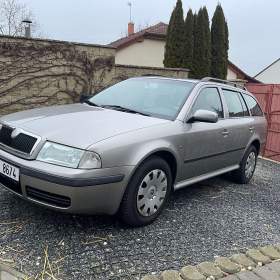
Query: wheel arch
[(257, 144), (166, 154)]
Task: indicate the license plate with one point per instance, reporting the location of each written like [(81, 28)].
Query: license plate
[(9, 170)]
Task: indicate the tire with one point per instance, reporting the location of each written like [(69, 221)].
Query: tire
[(243, 175), (151, 181)]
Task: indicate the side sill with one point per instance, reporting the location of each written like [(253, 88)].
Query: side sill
[(203, 177)]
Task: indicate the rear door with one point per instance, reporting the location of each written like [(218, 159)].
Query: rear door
[(259, 129), (238, 125)]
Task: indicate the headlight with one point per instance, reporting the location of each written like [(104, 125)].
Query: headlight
[(69, 157)]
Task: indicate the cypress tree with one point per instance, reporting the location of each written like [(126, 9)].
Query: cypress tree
[(173, 56), (227, 48), (207, 42), (188, 41), (193, 69), (220, 44), (227, 35), (202, 45)]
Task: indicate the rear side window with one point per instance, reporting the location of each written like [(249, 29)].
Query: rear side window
[(209, 99), (234, 104), (253, 106), (246, 112)]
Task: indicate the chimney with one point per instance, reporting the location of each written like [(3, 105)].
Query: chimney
[(130, 28), (27, 31), (27, 22)]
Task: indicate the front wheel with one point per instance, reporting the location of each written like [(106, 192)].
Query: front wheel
[(247, 167), (146, 193)]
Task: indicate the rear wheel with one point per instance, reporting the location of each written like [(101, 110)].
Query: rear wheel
[(247, 167), (147, 192)]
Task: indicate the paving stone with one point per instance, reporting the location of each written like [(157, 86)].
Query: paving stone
[(257, 256), (248, 275), (243, 260), (170, 275), (266, 274), (275, 266), (209, 269), (226, 265), (191, 273), (150, 277), (271, 252), (277, 246), (231, 277), (8, 273), (7, 276)]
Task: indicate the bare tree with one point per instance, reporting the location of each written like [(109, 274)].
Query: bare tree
[(12, 13)]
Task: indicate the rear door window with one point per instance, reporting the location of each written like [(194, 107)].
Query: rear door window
[(253, 106), (234, 104)]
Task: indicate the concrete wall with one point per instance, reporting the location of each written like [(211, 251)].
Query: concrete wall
[(144, 53), (271, 75), (36, 73), (123, 72)]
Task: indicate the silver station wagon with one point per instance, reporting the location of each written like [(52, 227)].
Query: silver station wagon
[(127, 148)]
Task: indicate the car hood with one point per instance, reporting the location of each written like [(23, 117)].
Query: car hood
[(78, 125)]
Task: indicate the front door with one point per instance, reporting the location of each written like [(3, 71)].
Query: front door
[(204, 142)]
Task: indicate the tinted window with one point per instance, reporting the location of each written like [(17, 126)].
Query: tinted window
[(157, 97), (253, 105), (233, 100), (209, 99)]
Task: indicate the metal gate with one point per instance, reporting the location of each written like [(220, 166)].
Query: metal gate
[(269, 98)]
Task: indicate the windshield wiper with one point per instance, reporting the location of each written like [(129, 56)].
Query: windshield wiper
[(91, 103), (123, 109)]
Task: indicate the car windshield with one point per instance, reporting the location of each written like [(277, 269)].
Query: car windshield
[(161, 98)]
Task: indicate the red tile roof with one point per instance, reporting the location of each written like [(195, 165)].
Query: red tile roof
[(241, 74), (156, 31)]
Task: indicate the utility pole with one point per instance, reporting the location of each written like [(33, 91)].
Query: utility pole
[(130, 11)]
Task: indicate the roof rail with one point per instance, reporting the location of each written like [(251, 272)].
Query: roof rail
[(235, 84)]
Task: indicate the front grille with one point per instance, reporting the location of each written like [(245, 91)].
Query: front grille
[(49, 198), (10, 184), (5, 135), (22, 142)]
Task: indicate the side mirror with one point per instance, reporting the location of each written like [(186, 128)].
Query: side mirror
[(204, 116)]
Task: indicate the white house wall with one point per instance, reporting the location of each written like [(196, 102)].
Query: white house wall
[(148, 53), (271, 75), (231, 75), (145, 53)]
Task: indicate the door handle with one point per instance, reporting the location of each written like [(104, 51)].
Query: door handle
[(225, 133)]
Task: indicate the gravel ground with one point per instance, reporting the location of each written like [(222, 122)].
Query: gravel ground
[(216, 217)]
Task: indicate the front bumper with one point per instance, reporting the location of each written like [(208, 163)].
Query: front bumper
[(97, 191)]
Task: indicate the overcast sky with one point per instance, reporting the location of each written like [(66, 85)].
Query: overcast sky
[(253, 24)]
